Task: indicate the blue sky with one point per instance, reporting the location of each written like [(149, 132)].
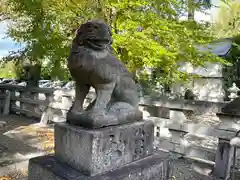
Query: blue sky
[(6, 44)]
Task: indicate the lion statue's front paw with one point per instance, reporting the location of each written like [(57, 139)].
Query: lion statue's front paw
[(92, 119)]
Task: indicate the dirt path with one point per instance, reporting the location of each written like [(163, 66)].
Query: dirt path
[(21, 139)]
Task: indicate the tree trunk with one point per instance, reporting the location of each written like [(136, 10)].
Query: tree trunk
[(191, 10), (33, 73)]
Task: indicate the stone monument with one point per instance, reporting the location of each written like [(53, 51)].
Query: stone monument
[(108, 140), (233, 92), (233, 106), (92, 64)]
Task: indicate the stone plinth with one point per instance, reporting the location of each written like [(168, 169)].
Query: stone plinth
[(154, 167), (123, 152), (94, 152)]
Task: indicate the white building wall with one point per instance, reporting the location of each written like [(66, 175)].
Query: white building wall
[(208, 87)]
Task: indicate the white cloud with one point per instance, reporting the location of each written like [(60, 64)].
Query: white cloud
[(3, 53), (199, 16), (6, 44), (210, 14), (3, 26), (3, 29)]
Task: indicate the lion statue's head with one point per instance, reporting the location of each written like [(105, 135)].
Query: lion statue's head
[(94, 34)]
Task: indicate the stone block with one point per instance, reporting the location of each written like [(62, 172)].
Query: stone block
[(154, 167), (177, 116), (6, 107), (223, 159), (100, 150)]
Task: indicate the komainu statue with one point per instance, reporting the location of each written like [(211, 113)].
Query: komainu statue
[(92, 63)]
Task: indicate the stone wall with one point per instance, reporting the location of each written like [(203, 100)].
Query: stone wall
[(190, 128)]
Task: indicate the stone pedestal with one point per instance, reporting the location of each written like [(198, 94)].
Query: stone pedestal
[(115, 152)]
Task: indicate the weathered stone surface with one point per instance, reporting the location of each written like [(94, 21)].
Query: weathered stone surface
[(92, 63), (232, 107), (97, 151), (97, 120), (235, 142), (223, 159), (6, 107), (155, 167), (2, 124)]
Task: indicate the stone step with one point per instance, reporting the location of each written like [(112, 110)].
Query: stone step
[(173, 137), (181, 104), (16, 169), (12, 163), (196, 151), (200, 154), (154, 167), (196, 128), (8, 158), (167, 130)]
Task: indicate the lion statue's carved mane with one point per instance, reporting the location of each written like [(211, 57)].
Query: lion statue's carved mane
[(92, 63)]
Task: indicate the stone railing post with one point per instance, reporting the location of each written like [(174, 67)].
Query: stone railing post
[(21, 95), (5, 101), (34, 96), (6, 108), (66, 104), (12, 95), (46, 116), (28, 95)]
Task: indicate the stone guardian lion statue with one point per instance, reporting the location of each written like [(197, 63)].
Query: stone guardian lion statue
[(92, 63)]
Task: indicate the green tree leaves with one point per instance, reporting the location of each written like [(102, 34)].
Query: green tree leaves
[(146, 33), (228, 20)]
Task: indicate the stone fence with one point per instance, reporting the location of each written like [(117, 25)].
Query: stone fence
[(42, 103), (194, 129)]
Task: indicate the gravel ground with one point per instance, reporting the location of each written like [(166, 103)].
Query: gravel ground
[(186, 170), (183, 170)]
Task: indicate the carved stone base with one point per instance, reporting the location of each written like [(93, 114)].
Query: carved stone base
[(101, 119), (155, 167), (97, 151)]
